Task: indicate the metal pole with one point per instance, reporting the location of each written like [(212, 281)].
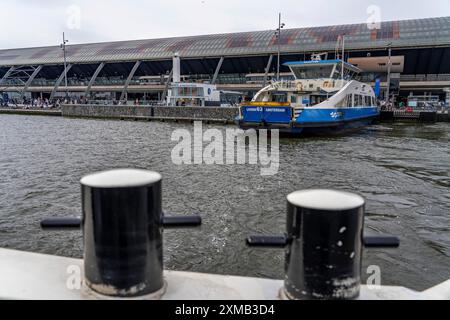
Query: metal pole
[(343, 57), (388, 93), (65, 64), (279, 47)]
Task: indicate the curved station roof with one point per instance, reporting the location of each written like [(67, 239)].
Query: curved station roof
[(400, 34)]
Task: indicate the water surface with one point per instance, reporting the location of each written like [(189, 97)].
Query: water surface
[(402, 171)]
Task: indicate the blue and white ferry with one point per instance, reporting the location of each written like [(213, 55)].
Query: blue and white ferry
[(323, 97)]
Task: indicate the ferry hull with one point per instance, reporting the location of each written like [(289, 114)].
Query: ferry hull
[(310, 121)]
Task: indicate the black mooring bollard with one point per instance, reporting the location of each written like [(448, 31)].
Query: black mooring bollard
[(324, 245), (326, 228), (122, 224), (122, 228)]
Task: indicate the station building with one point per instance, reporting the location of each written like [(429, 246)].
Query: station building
[(244, 62)]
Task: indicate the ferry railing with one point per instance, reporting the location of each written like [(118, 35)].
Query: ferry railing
[(288, 85), (122, 226), (324, 245)]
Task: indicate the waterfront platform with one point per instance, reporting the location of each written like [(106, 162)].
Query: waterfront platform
[(148, 113), (416, 116), (29, 276), (223, 115), (32, 112)]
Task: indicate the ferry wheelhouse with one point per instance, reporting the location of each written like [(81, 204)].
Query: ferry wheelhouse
[(323, 97)]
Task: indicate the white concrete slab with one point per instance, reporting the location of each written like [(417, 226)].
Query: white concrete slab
[(29, 276)]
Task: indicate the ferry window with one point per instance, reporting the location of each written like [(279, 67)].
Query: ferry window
[(279, 98), (343, 102), (312, 72), (358, 101), (349, 100), (348, 74), (337, 73), (317, 99), (293, 99)]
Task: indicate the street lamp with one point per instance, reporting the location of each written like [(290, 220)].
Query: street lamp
[(278, 35), (388, 93), (63, 47)]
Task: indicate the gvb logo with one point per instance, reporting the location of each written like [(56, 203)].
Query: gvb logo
[(374, 279), (374, 20), (336, 115), (73, 17)]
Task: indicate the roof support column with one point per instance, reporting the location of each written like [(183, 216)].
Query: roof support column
[(166, 88), (130, 76), (216, 74), (58, 82), (269, 64), (94, 77), (30, 79), (7, 74)]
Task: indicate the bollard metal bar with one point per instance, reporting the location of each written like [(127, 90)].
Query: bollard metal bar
[(181, 221), (382, 242), (168, 222), (61, 223), (267, 241)]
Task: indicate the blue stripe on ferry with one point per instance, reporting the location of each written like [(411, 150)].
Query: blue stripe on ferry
[(334, 114), (268, 114)]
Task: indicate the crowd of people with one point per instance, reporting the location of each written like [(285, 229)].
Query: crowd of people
[(41, 103)]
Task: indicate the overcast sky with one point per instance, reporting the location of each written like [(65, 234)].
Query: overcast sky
[(28, 23)]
